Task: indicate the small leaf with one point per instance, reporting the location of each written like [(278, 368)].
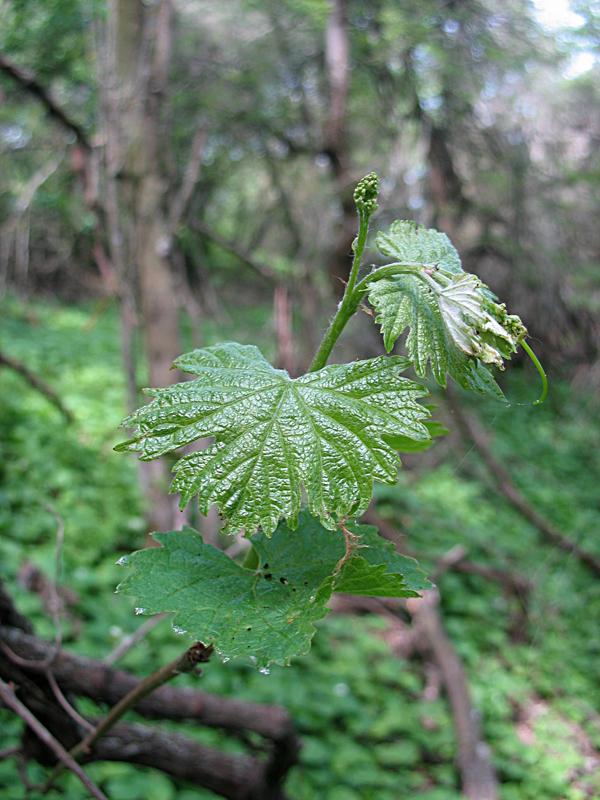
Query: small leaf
[(403, 444), (378, 570), (268, 613), (275, 437), (455, 326), (406, 241)]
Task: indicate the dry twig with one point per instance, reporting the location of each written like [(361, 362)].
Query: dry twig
[(10, 699)]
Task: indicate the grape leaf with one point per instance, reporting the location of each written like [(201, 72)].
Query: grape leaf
[(454, 323), (408, 242), (378, 570), (403, 444), (326, 432), (269, 613)]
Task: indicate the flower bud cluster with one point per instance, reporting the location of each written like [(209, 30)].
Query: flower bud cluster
[(365, 194)]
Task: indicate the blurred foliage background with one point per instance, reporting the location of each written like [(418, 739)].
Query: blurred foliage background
[(483, 119)]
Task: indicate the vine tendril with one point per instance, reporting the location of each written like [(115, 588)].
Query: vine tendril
[(537, 364)]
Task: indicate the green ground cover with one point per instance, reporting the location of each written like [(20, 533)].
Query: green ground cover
[(368, 728)]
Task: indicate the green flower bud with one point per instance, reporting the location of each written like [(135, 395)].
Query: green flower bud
[(365, 194)]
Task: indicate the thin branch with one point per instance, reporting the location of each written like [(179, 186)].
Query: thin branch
[(64, 703), (9, 752), (37, 384), (477, 773), (10, 699), (472, 431), (93, 679), (55, 601), (29, 82), (184, 196), (514, 583), (194, 655), (260, 269), (130, 641)]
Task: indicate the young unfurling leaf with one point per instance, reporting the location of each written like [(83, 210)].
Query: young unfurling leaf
[(455, 324)]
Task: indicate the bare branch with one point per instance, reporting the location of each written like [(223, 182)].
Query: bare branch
[(194, 655), (64, 703), (260, 269), (237, 777), (477, 773), (505, 485), (10, 699), (29, 82), (130, 641), (87, 678), (36, 383), (184, 196)]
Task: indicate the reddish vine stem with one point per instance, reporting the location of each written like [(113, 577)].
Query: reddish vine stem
[(351, 541)]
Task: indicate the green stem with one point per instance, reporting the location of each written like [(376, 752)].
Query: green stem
[(541, 371), (391, 270), (251, 561), (349, 302)]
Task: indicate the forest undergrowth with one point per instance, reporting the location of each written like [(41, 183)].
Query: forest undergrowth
[(373, 722)]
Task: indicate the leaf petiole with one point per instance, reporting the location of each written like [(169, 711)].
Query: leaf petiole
[(251, 560), (415, 268)]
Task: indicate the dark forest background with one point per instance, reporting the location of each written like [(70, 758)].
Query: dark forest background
[(180, 172)]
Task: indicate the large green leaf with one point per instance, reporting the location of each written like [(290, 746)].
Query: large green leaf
[(268, 613), (454, 323), (327, 433)]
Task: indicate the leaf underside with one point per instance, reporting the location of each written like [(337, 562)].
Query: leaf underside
[(326, 434), (455, 327), (268, 614)]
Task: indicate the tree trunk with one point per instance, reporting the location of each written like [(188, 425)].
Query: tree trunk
[(337, 61), (140, 38)]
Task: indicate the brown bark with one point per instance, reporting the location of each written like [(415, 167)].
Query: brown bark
[(282, 320), (140, 44), (238, 777), (88, 678), (337, 62)]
